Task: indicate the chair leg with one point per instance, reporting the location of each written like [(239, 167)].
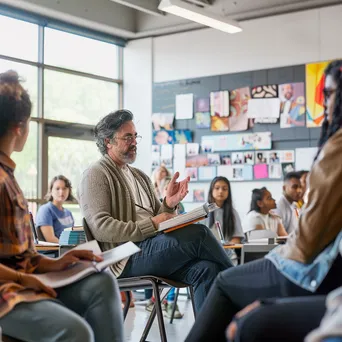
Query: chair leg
[(188, 293), (159, 312), (174, 306), (127, 303), (192, 295), (152, 316)]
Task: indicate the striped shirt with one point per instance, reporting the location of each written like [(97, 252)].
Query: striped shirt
[(17, 249)]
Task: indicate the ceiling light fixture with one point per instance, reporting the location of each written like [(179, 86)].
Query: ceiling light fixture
[(199, 15)]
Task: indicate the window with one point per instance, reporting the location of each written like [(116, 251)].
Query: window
[(26, 171), (70, 157), (74, 52), (18, 39), (29, 74), (78, 99)]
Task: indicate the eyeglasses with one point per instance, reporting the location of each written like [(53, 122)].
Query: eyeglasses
[(328, 92), (129, 140)]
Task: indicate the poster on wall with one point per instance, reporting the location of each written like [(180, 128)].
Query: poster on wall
[(237, 142), (184, 106), (162, 121), (182, 136), (202, 105), (203, 120), (314, 81), (219, 110), (238, 99), (264, 110), (292, 105), (265, 91), (163, 137)]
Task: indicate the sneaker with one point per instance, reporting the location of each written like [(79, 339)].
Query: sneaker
[(168, 311), (150, 305)]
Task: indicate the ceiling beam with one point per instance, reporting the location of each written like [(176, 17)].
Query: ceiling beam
[(147, 6)]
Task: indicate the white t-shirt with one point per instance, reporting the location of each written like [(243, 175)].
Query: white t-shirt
[(268, 221), (288, 215), (140, 196)]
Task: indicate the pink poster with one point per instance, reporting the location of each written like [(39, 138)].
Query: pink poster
[(260, 171)]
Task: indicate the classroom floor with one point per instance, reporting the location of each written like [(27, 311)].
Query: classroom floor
[(175, 332)]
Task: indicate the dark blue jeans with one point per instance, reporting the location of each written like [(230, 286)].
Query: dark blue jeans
[(190, 255)]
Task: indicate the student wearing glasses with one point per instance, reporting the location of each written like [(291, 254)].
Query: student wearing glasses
[(119, 205)]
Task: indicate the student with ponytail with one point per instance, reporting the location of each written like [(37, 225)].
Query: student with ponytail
[(309, 263)]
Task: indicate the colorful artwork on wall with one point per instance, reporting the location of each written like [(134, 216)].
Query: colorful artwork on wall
[(265, 91), (238, 99), (314, 81)]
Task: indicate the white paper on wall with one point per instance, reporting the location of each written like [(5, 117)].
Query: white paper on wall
[(184, 106), (263, 108), (305, 157), (166, 151)]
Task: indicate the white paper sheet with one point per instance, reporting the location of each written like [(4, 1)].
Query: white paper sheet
[(166, 151), (184, 106), (305, 157), (263, 108)]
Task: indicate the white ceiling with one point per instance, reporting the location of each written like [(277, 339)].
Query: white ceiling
[(131, 19)]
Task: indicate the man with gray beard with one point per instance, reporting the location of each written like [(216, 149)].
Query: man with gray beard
[(119, 205)]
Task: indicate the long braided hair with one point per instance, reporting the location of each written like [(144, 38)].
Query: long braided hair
[(334, 69)]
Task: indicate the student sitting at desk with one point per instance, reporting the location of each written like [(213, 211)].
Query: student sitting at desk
[(52, 218), (260, 215), (228, 218), (86, 311)]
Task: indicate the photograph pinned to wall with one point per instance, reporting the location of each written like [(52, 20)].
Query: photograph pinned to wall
[(184, 106), (206, 173), (155, 159), (213, 159), (192, 173), (219, 124), (237, 158), (264, 110), (198, 195), (156, 149), (287, 167), (197, 161), (166, 151), (167, 162), (163, 137), (265, 91), (247, 173), (202, 104), (203, 120), (260, 171), (219, 103), (226, 159), (275, 171), (182, 136), (238, 99), (225, 171), (236, 142), (192, 149), (238, 172), (274, 157), (292, 105), (314, 83), (261, 157), (288, 156), (163, 121), (248, 158), (207, 145)]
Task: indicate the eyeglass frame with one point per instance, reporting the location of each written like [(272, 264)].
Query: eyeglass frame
[(130, 138)]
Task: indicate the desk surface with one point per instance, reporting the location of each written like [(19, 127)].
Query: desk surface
[(236, 246), (46, 248)]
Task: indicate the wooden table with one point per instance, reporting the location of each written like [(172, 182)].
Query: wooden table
[(40, 248), (236, 246)]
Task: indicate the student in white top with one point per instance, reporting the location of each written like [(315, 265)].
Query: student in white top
[(260, 217), (286, 206), (229, 219)]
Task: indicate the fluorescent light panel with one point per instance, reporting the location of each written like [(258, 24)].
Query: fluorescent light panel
[(198, 15)]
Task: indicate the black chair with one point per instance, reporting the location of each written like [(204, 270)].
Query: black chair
[(146, 282)]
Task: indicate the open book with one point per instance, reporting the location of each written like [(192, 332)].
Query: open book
[(83, 269), (183, 220)]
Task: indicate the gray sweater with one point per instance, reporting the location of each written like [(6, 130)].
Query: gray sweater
[(107, 203)]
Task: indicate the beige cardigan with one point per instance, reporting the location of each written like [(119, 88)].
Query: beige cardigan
[(107, 203)]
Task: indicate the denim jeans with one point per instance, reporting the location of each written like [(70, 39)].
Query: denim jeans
[(190, 255), (86, 311)]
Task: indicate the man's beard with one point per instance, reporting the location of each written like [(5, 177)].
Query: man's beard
[(127, 158)]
